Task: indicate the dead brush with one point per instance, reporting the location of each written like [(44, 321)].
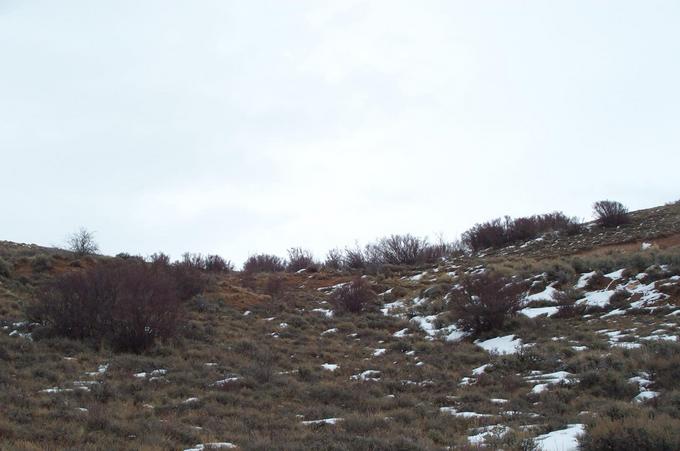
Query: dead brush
[(353, 297)]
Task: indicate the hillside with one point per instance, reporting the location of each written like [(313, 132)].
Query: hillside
[(267, 361)]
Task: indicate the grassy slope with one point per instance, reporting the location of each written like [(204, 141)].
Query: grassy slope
[(272, 360)]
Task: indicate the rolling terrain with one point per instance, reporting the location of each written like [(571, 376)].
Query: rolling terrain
[(267, 361)]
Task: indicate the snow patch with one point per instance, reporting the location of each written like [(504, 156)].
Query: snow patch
[(560, 440)]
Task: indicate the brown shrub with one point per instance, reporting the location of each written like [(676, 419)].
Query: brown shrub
[(643, 433), (609, 213), (127, 304), (355, 258), (502, 232), (215, 263), (485, 301), (274, 286), (189, 280), (334, 259), (352, 297), (264, 263), (299, 259)]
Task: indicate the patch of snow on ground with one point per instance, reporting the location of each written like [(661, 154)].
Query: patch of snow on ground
[(226, 381), (546, 295), (597, 298), (401, 333), (583, 280), (329, 366), (213, 445), (154, 373), (561, 440), (388, 309), (368, 375), (379, 352), (426, 323), (456, 413), (616, 274), (329, 331), (493, 431), (544, 381), (660, 338), (480, 370), (328, 313), (323, 421), (507, 344), (418, 277), (648, 292), (645, 395), (533, 312)]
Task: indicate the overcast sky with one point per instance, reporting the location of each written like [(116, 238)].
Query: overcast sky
[(236, 127)]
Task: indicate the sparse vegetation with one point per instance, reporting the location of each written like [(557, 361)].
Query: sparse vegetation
[(277, 360)]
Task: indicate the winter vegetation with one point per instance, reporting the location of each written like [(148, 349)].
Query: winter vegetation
[(552, 338)]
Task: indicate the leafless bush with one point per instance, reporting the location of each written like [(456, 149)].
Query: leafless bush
[(609, 213), (127, 304), (567, 306), (189, 279), (352, 297), (334, 259), (502, 232), (160, 258), (354, 258), (82, 243), (215, 263), (484, 235), (264, 263), (485, 301), (433, 253), (299, 259), (400, 249)]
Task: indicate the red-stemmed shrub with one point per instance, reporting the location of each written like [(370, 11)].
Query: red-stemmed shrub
[(264, 263), (334, 259), (502, 232), (352, 297), (484, 301), (609, 213), (299, 259), (215, 263), (126, 304)]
